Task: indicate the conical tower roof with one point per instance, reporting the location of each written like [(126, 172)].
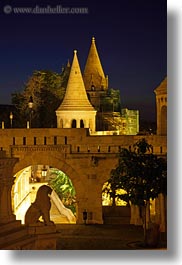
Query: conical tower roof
[(162, 88), (93, 73), (75, 97)]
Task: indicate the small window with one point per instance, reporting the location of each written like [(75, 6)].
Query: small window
[(161, 149), (24, 140), (92, 87), (73, 124), (81, 124), (35, 140), (55, 140), (45, 140), (13, 140)]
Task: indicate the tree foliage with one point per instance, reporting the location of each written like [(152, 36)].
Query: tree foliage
[(64, 188), (140, 173), (47, 90), (111, 101)]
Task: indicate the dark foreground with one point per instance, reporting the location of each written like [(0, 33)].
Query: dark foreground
[(103, 237)]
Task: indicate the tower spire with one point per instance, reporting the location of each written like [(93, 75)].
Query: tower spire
[(93, 73), (76, 108), (76, 96)]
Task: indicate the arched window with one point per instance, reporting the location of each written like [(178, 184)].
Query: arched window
[(73, 124), (81, 124), (92, 87)]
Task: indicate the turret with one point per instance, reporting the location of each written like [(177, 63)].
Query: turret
[(94, 77), (76, 110)]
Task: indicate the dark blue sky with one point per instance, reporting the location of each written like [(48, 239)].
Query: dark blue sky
[(131, 38)]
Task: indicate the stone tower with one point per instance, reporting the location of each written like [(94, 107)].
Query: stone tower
[(96, 83), (94, 77), (76, 111), (161, 104)]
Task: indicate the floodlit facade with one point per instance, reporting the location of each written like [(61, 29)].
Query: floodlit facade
[(161, 104), (76, 111), (130, 121), (76, 148)]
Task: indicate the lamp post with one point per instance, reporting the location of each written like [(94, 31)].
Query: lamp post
[(11, 119), (30, 105)]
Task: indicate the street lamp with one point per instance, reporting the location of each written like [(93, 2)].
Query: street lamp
[(11, 119), (30, 105)]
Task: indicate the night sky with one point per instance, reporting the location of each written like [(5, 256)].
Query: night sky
[(131, 38)]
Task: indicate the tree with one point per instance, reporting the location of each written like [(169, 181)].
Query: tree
[(64, 188), (47, 90), (112, 185), (141, 174)]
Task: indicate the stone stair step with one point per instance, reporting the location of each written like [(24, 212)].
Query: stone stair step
[(12, 235)]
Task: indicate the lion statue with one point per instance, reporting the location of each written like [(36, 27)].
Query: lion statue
[(40, 208)]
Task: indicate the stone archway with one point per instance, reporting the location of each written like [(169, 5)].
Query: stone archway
[(63, 197), (61, 164)]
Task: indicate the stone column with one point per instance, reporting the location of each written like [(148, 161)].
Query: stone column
[(147, 214), (78, 123), (157, 211), (6, 183), (135, 215), (162, 212)]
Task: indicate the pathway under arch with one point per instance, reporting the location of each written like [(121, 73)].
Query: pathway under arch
[(30, 179), (46, 159), (39, 159)]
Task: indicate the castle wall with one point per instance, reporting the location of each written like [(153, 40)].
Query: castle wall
[(86, 159)]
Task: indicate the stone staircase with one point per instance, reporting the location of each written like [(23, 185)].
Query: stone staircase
[(14, 236), (56, 217)]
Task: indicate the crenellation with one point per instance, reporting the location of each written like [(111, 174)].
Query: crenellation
[(36, 140)]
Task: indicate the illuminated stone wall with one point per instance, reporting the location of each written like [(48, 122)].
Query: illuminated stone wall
[(161, 104), (87, 160), (20, 193), (130, 121)]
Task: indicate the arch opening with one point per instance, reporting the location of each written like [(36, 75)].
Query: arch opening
[(116, 210), (73, 124), (110, 196), (81, 124), (28, 181)]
